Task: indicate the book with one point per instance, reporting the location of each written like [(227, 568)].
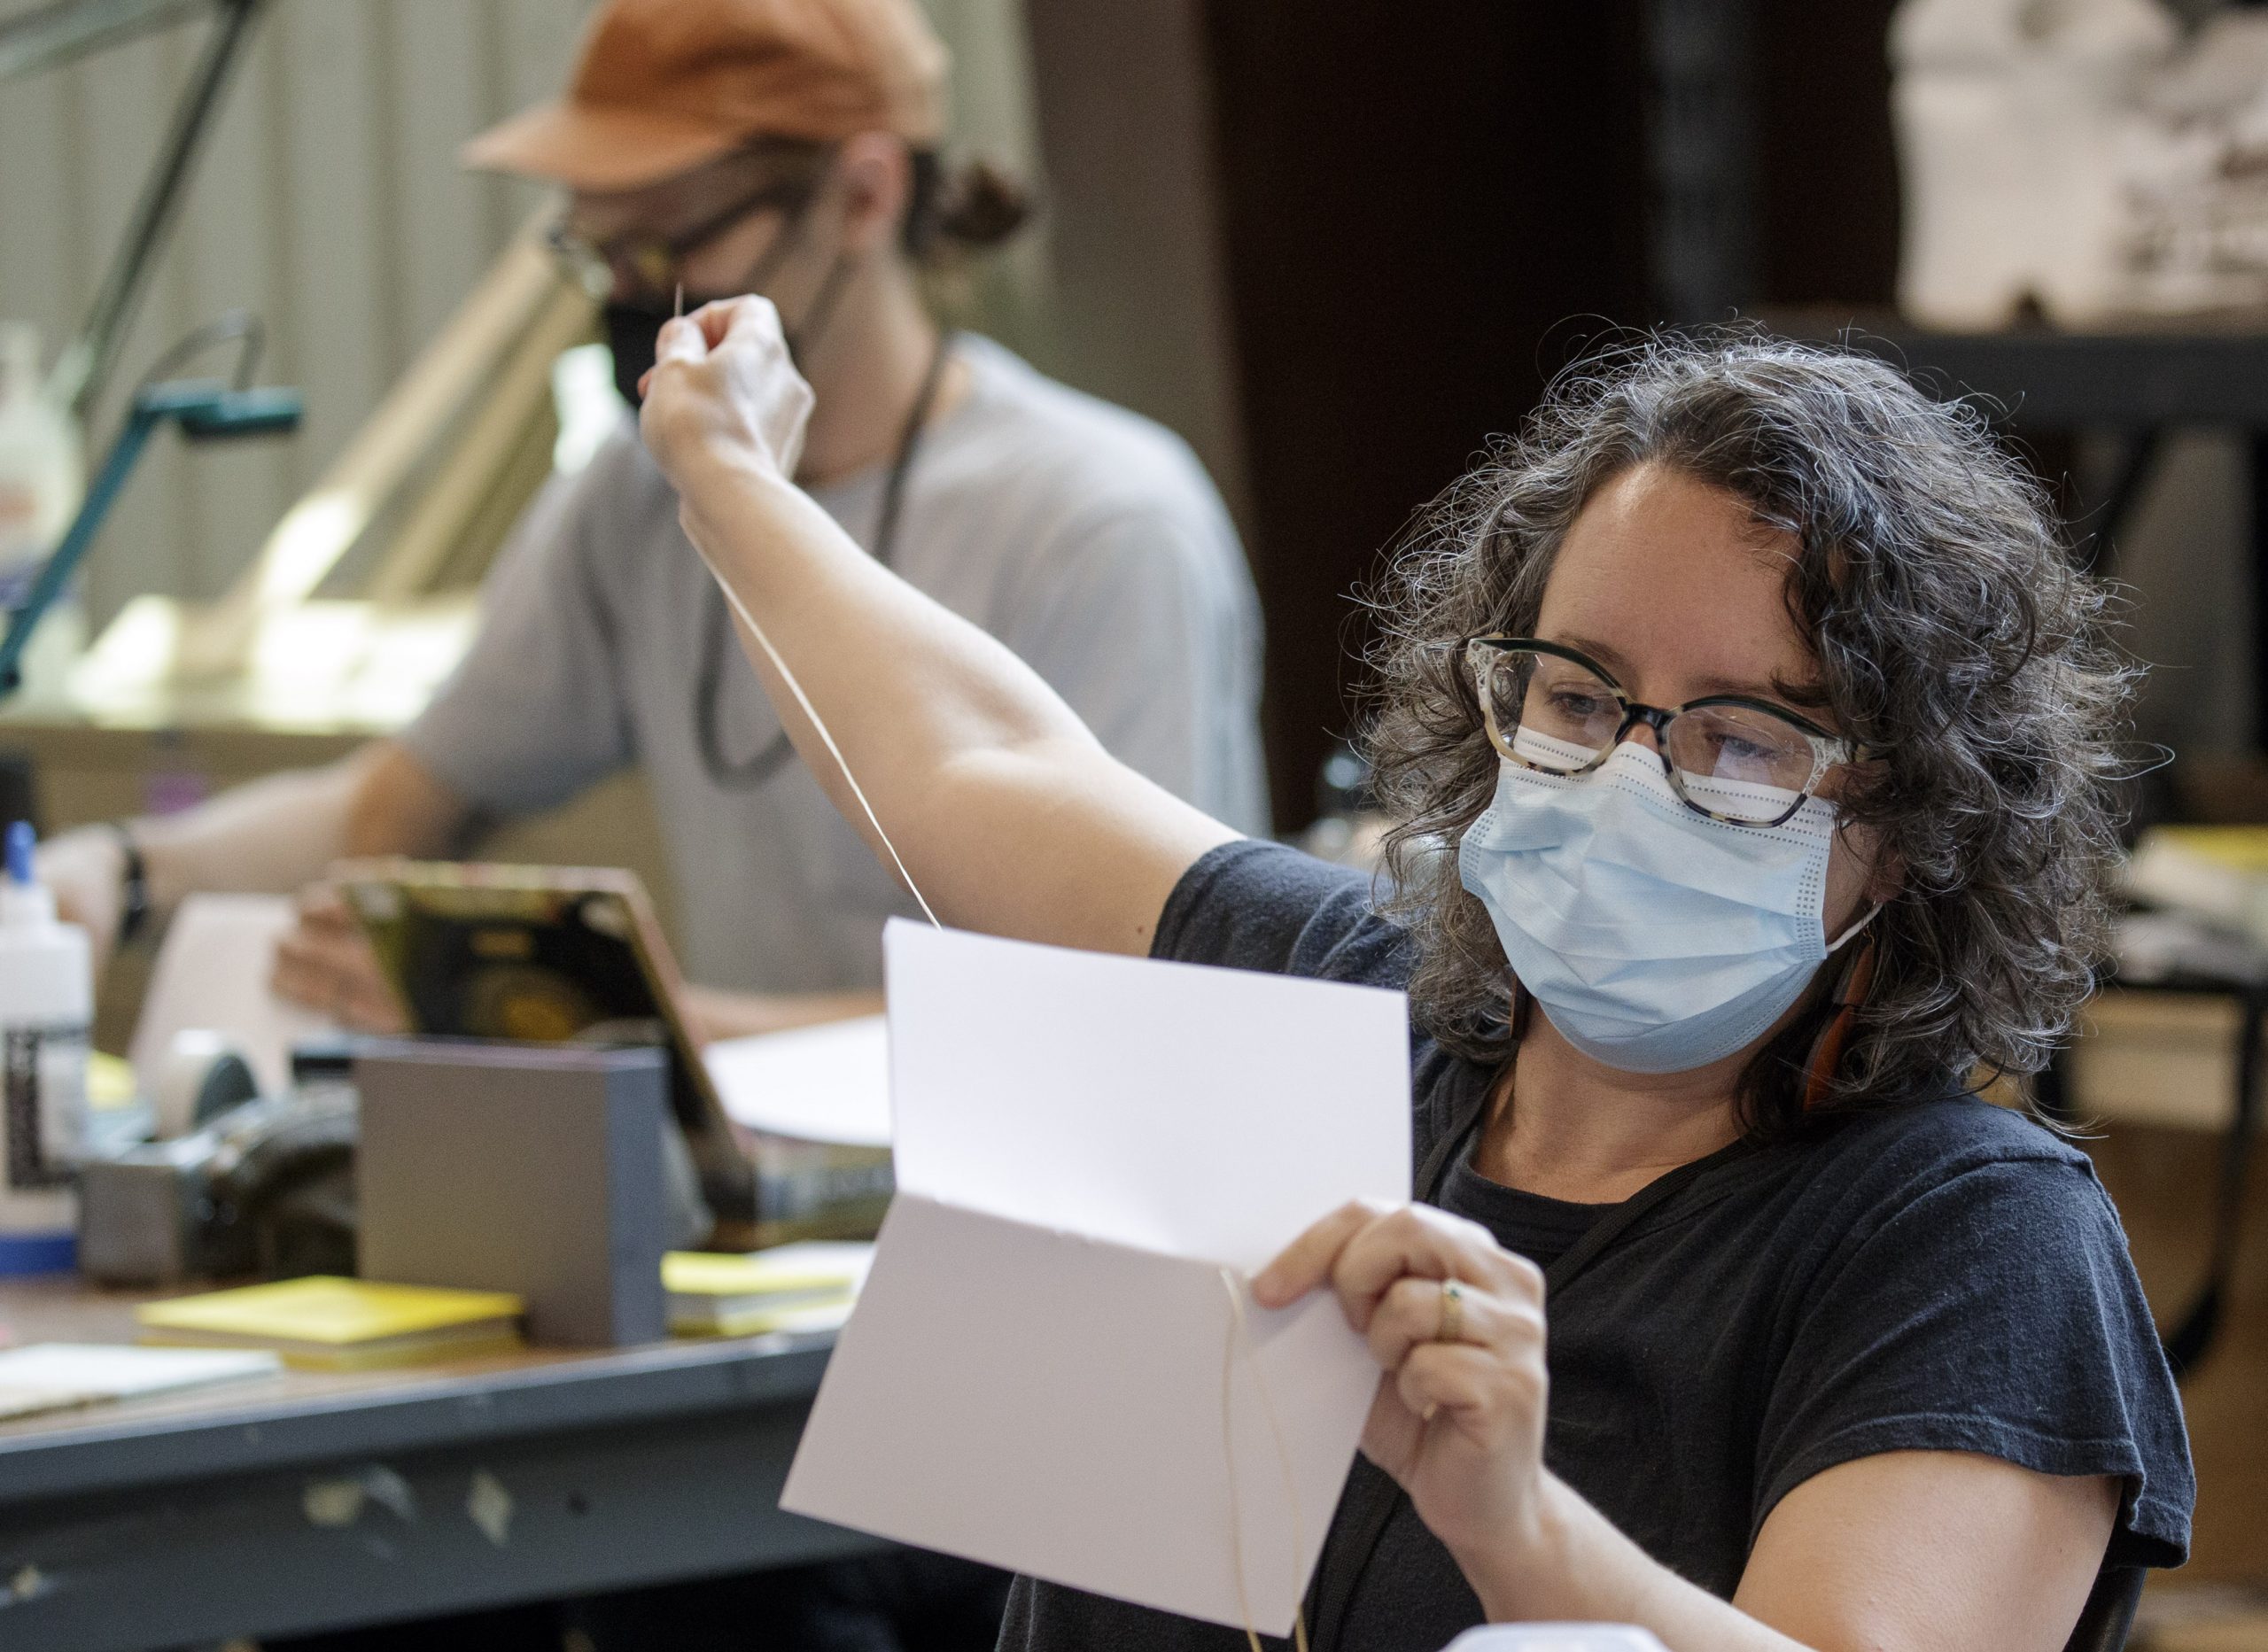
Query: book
[(322, 1322), (60, 1375), (808, 1286)]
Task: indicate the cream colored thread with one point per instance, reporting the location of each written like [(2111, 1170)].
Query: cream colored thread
[(826, 738), (1238, 1333)]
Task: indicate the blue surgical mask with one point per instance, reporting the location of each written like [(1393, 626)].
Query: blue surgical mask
[(1655, 939)]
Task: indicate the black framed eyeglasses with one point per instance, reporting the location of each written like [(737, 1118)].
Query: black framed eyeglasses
[(654, 265), (1742, 761)]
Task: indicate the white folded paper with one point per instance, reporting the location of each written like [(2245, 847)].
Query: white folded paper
[(1047, 1371)]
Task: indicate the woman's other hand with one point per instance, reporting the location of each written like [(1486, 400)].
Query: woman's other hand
[(723, 387), (1456, 1321)]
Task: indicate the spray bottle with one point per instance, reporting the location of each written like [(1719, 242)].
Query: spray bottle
[(46, 1019)]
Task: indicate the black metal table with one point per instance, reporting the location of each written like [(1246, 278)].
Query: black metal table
[(299, 1504)]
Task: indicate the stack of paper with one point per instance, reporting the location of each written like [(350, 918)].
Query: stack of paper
[(804, 1287), (1035, 1375), (326, 1323), (58, 1376)]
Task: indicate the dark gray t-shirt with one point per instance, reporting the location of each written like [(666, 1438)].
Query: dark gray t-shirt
[(1942, 1276)]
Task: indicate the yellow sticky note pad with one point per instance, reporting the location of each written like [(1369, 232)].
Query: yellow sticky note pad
[(324, 1322)]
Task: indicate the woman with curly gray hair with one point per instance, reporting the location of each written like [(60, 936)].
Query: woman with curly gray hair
[(1747, 732)]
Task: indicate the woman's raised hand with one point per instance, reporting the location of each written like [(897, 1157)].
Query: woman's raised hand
[(723, 387), (1456, 1321)]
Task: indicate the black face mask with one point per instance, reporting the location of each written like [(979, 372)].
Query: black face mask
[(632, 327)]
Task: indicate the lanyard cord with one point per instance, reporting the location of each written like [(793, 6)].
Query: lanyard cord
[(717, 628)]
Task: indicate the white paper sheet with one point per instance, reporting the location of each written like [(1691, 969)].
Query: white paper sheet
[(55, 1375), (212, 975), (1034, 1374), (827, 1083), (1204, 1113)]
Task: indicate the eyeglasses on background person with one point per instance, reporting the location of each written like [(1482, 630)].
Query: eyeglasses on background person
[(1729, 758), (647, 264)]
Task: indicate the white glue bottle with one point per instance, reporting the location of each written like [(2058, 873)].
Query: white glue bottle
[(46, 1019)]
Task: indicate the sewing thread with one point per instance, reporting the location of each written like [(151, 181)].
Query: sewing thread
[(827, 738), (1238, 1333)]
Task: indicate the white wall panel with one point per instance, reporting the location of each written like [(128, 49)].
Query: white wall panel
[(120, 114), (447, 218), (226, 259), (39, 233), (333, 328)]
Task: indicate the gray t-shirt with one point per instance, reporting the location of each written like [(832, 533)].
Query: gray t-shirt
[(1087, 539)]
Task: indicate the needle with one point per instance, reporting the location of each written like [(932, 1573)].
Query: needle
[(678, 314)]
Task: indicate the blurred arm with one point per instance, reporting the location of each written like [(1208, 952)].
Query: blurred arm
[(271, 835)]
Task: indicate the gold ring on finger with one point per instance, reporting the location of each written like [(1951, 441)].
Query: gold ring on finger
[(1451, 1328)]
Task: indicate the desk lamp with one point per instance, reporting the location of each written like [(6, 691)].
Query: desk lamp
[(206, 410)]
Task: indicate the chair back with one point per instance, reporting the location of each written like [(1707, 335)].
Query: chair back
[(2110, 1612)]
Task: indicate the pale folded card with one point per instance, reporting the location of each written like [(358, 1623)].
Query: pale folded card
[(1047, 1371)]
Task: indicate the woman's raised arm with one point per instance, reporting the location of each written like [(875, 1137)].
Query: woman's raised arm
[(1005, 813)]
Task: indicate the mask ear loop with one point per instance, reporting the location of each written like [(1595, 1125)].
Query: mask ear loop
[(1852, 986)]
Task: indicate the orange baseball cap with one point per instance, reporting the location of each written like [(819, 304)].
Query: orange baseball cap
[(660, 86)]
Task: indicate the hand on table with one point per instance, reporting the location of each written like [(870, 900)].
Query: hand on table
[(326, 963), (1458, 1420)]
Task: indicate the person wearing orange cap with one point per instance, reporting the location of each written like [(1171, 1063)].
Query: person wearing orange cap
[(790, 147)]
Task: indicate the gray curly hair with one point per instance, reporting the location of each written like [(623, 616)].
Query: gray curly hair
[(1954, 634)]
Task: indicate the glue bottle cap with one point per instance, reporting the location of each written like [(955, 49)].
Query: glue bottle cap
[(24, 900)]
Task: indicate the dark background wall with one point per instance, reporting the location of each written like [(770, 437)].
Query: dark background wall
[(1342, 245), (1426, 209), (1827, 178)]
